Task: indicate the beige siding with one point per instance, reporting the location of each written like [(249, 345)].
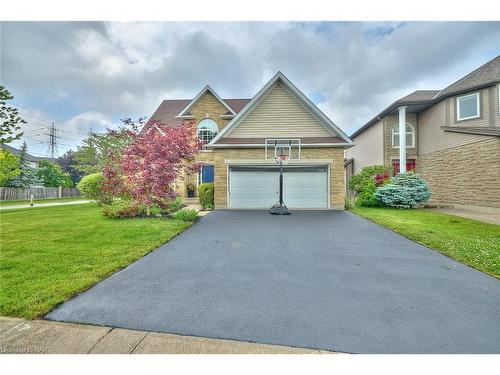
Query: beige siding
[(496, 105), (368, 148), (433, 138), (279, 114), (483, 120)]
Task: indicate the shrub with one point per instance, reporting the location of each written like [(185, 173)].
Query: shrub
[(174, 205), (122, 208), (357, 182), (405, 190), (186, 214), (91, 187), (206, 195), (364, 184)]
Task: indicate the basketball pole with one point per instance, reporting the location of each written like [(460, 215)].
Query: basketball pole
[(280, 208)]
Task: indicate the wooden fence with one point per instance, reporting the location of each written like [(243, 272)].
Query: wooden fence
[(8, 193)]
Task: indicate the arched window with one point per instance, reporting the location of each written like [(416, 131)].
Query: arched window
[(207, 129), (410, 136)]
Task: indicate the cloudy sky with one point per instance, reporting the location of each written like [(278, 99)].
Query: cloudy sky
[(87, 75)]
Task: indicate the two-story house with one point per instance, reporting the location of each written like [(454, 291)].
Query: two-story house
[(243, 137), (451, 137)]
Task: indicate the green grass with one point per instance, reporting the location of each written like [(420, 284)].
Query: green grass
[(49, 254), (469, 241), (38, 201)]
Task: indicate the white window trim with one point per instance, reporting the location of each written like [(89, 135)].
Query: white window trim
[(478, 106), (396, 127)]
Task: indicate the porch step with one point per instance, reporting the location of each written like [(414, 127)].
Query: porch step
[(191, 200)]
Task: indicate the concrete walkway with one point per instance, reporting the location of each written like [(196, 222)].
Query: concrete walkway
[(44, 337), (26, 205), (487, 217)]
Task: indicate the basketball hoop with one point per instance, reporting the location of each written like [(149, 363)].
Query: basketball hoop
[(282, 159), (280, 208)]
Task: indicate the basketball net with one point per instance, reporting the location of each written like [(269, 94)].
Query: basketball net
[(282, 159)]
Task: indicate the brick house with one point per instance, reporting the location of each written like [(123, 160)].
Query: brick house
[(242, 138), (451, 137)]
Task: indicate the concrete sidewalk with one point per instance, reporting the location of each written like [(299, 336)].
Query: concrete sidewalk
[(45, 337), (26, 205)]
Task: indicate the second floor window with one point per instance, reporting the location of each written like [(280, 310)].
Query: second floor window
[(207, 129), (410, 136), (468, 107)]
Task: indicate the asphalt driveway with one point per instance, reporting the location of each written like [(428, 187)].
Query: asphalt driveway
[(323, 279)]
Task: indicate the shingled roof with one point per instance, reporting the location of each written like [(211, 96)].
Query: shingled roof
[(484, 76), (168, 110)]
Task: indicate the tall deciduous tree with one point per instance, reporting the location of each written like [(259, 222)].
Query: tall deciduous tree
[(9, 166), (10, 121), (93, 155), (28, 175), (68, 164), (52, 175), (153, 161)]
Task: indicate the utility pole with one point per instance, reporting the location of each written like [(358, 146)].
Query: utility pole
[(52, 149)]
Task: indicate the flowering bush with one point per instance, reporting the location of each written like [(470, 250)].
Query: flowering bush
[(382, 178), (405, 190), (364, 184)]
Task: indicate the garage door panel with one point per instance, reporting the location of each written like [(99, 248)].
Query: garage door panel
[(305, 189), (253, 189), (258, 187)]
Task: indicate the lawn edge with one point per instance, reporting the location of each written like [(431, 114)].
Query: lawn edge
[(427, 246), (109, 274)]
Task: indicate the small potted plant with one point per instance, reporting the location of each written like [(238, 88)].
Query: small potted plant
[(190, 189)]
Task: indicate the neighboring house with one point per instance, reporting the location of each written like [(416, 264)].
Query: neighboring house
[(32, 160), (451, 137), (242, 137)]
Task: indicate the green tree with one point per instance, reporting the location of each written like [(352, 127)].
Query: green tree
[(9, 166), (52, 175), (28, 175), (10, 122), (98, 149), (68, 164)]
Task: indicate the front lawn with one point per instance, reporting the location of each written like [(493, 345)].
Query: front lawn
[(469, 241), (49, 254), (19, 202)]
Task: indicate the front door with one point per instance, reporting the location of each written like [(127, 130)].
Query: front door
[(410, 166), (207, 173)]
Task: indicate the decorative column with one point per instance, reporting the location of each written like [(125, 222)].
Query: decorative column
[(402, 139)]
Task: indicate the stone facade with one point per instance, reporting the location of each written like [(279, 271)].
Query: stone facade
[(208, 106), (334, 156), (391, 153), (467, 175)]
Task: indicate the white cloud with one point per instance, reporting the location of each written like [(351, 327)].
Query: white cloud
[(126, 69)]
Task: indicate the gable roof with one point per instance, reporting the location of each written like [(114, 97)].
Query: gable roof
[(167, 112), (185, 112), (486, 75), (301, 98)]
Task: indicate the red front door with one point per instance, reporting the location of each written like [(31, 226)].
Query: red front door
[(410, 166)]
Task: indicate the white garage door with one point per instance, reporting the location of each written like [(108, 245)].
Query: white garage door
[(258, 187)]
